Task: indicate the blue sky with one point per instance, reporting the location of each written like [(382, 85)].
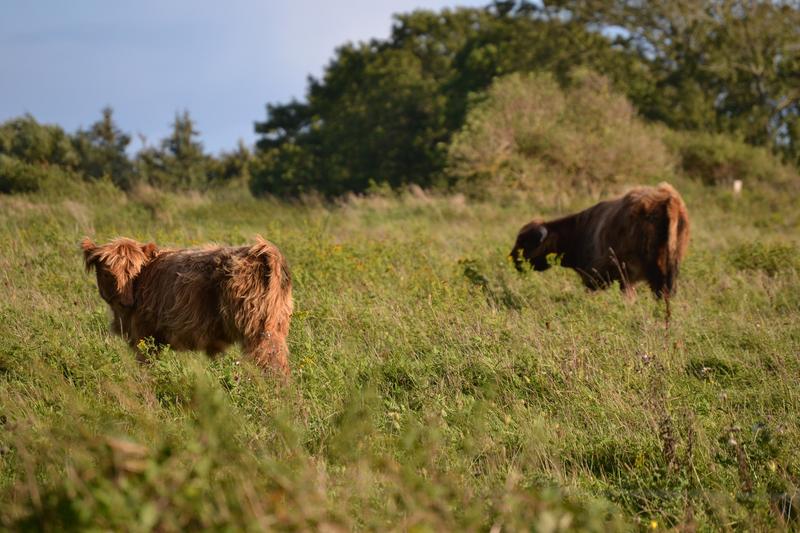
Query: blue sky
[(62, 61)]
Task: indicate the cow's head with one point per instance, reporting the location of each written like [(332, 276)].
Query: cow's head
[(532, 246), (117, 264)]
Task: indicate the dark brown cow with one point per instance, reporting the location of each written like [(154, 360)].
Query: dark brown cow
[(641, 236), (197, 299)]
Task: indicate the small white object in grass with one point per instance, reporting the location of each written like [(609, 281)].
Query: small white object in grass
[(737, 186)]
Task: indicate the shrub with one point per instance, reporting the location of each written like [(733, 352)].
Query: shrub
[(280, 170), (714, 158), (770, 258), (25, 139), (17, 176), (231, 168), (530, 133)]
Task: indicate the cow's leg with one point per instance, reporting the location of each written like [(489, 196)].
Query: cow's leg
[(657, 282), (660, 285), (270, 352), (214, 348)]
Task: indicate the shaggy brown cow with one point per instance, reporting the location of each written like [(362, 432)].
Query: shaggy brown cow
[(639, 236), (197, 299)]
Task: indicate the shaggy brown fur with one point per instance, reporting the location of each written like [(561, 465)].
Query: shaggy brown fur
[(639, 236), (197, 299)]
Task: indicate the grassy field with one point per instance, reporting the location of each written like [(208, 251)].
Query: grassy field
[(433, 388)]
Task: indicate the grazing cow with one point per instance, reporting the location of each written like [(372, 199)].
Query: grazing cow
[(197, 299), (639, 236)]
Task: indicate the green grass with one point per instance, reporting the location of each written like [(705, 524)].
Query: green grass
[(433, 388)]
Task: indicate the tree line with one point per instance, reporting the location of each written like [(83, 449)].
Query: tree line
[(32, 154), (386, 111)]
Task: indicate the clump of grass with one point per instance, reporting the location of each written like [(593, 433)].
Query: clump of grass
[(718, 159), (770, 258)]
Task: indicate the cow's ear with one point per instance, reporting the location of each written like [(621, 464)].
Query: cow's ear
[(150, 250), (124, 260)]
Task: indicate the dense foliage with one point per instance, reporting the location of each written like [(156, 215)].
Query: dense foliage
[(385, 111), (102, 151), (723, 66), (529, 134), (716, 159), (35, 156)]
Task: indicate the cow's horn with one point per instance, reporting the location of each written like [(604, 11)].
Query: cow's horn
[(543, 232)]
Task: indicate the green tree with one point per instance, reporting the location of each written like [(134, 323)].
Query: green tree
[(384, 111), (529, 133), (179, 162), (186, 159), (102, 151), (231, 167), (39, 144), (720, 65), (33, 155)]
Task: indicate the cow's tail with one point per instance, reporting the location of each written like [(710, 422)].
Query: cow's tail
[(677, 234), (278, 300), (262, 287)]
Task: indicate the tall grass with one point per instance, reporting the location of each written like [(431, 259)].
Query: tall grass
[(433, 387)]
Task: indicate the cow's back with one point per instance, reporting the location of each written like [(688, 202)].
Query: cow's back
[(181, 288), (625, 234)]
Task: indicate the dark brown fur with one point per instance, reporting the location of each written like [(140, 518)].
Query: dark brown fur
[(641, 236), (197, 299)]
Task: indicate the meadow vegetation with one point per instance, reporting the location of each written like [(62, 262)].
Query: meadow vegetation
[(432, 386)]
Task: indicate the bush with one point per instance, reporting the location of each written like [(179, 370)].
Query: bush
[(17, 176), (716, 159), (530, 133), (25, 139), (770, 258), (231, 168), (285, 170)]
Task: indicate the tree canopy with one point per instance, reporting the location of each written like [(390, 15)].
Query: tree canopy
[(34, 154), (102, 151), (385, 110), (28, 141), (179, 162), (715, 65)]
